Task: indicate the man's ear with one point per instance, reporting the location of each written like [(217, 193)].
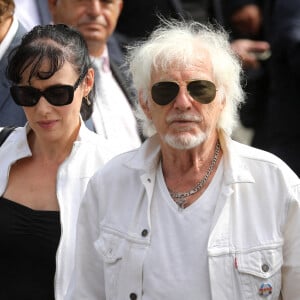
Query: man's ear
[(89, 81), (120, 4), (145, 106)]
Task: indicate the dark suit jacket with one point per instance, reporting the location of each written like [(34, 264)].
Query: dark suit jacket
[(139, 17), (10, 113), (280, 109), (283, 105), (124, 82)]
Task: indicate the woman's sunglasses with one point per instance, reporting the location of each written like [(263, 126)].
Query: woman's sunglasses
[(57, 95), (164, 92)]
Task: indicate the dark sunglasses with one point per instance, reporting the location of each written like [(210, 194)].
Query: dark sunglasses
[(164, 92), (57, 95)]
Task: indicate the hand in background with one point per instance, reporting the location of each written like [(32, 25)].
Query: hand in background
[(249, 50)]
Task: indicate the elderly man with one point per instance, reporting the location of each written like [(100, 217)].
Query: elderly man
[(113, 116), (192, 214)]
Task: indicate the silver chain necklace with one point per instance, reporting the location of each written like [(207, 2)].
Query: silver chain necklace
[(181, 198)]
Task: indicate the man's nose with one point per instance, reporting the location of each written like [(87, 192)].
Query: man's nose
[(183, 99), (95, 7)]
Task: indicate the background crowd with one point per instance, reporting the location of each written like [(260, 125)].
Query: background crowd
[(102, 112), (268, 119)]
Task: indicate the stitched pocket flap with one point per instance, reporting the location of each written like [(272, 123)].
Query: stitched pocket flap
[(110, 246), (262, 263)]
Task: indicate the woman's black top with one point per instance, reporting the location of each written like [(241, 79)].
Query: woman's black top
[(28, 243)]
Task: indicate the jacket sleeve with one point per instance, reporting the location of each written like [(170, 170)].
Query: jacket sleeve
[(88, 278), (291, 251)]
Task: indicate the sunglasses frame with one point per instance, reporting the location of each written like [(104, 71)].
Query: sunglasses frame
[(38, 93), (201, 99)]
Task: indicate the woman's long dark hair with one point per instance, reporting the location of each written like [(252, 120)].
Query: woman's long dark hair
[(55, 44)]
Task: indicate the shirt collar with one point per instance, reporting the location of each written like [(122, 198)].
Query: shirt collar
[(105, 61), (102, 62)]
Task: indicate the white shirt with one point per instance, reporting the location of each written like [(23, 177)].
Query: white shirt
[(8, 37), (180, 236), (113, 117)]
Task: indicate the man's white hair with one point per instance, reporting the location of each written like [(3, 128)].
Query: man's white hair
[(177, 43)]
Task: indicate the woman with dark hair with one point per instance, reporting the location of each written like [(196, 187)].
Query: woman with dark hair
[(45, 165)]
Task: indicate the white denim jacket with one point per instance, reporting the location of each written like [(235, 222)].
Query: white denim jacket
[(89, 153), (253, 249)]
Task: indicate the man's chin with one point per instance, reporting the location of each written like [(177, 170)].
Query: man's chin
[(90, 35), (184, 141), (91, 32)]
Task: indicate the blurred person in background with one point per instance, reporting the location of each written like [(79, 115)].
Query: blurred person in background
[(11, 32), (282, 30), (245, 20), (113, 112), (279, 107)]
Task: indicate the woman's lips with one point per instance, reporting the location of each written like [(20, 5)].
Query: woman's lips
[(47, 124)]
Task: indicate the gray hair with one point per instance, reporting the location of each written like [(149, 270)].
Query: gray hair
[(176, 43)]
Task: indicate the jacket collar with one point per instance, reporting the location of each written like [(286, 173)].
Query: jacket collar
[(235, 169), (147, 157), (16, 144)]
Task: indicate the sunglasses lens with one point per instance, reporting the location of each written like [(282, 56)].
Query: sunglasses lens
[(30, 96), (164, 92), (59, 95), (25, 95), (202, 91)]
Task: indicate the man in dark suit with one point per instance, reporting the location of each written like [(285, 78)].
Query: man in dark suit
[(279, 128), (11, 32), (113, 116), (282, 29)]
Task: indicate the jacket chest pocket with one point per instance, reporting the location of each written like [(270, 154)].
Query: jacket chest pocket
[(122, 263), (259, 273)]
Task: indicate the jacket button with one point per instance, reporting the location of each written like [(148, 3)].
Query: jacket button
[(133, 296), (144, 232), (265, 268)]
